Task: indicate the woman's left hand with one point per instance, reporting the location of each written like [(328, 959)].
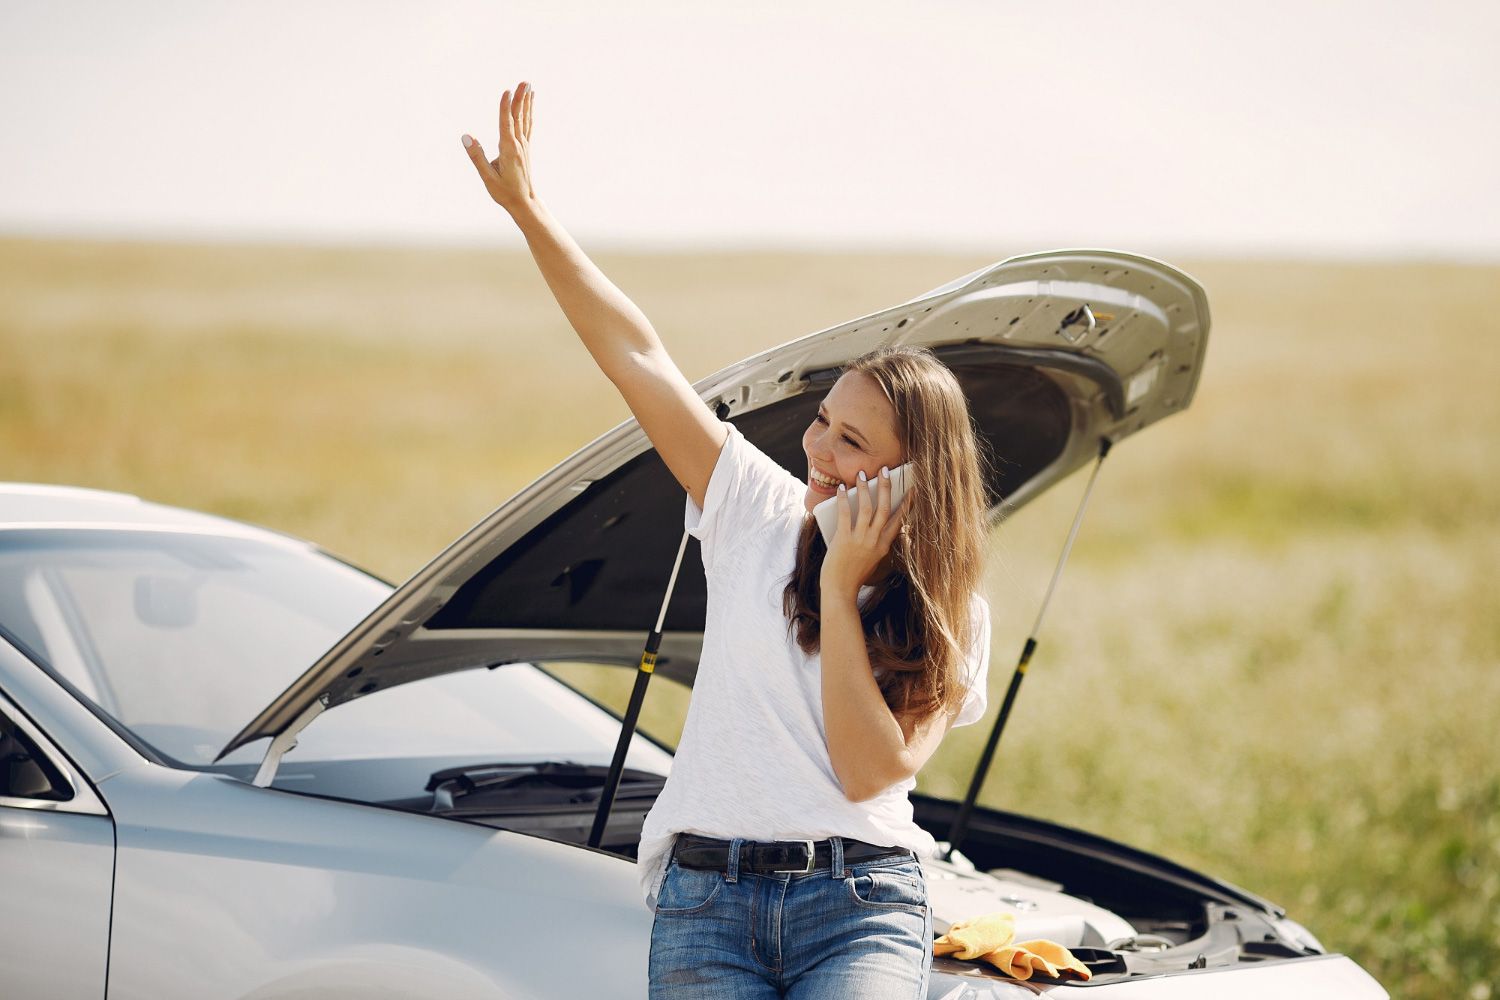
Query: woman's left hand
[(864, 537), (507, 177)]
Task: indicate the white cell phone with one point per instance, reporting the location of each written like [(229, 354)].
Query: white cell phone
[(827, 511)]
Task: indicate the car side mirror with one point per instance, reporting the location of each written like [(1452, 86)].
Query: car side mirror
[(25, 773)]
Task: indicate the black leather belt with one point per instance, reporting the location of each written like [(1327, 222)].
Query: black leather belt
[(797, 856)]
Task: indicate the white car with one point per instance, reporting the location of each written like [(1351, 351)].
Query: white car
[(189, 810)]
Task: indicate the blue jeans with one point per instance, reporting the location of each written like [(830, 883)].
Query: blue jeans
[(861, 930)]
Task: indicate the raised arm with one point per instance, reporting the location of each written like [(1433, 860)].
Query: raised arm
[(618, 335)]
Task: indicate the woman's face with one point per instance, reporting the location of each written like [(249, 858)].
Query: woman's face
[(854, 432)]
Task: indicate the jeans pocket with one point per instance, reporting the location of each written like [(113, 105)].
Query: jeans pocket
[(896, 887), (687, 890)]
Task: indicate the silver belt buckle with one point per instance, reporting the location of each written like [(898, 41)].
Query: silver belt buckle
[(812, 854)]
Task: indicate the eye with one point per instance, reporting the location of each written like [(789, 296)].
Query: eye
[(820, 419)]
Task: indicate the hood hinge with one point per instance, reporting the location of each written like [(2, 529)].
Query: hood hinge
[(286, 740)]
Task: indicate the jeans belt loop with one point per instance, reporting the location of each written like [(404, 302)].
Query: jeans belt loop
[(733, 875), (837, 843)]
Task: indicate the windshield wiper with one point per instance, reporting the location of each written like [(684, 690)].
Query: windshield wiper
[(524, 787)]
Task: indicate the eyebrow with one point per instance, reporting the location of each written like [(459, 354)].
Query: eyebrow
[(847, 426)]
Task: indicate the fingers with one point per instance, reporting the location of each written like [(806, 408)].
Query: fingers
[(506, 176), (515, 113), (517, 109), (887, 525), (476, 154), (869, 501), (867, 504), (846, 508), (893, 527)]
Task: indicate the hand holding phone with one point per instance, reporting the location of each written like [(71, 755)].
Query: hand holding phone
[(827, 511)]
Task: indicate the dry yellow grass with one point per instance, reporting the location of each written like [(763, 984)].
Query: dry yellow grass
[(1275, 655)]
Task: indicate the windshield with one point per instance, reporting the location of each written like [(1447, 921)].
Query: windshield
[(183, 637), (180, 636)]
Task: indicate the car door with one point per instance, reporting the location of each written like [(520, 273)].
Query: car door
[(57, 852)]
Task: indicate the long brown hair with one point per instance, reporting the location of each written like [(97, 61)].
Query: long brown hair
[(918, 626)]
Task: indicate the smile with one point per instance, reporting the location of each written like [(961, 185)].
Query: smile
[(817, 479)]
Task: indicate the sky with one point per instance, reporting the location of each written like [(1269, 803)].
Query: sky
[(1286, 127)]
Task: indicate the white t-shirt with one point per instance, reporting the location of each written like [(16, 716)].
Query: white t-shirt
[(753, 761)]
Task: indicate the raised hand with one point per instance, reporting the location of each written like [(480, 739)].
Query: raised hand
[(508, 177)]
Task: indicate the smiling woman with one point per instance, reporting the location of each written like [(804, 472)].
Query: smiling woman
[(837, 450), (790, 783), (919, 619)]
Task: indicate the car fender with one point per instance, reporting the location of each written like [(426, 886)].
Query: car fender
[(226, 889), (390, 972)]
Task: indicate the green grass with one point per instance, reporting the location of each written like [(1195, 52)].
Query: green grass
[(1275, 654)]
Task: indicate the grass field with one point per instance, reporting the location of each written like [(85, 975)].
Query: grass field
[(1276, 652)]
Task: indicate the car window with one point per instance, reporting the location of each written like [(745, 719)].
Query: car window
[(25, 772), (182, 637)]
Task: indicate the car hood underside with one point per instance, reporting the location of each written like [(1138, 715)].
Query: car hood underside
[(1058, 353)]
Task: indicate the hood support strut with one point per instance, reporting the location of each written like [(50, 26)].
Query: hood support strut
[(643, 673), (961, 821)]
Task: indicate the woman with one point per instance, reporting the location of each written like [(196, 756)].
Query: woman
[(781, 858)]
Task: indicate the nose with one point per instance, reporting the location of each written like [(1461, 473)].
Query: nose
[(817, 448)]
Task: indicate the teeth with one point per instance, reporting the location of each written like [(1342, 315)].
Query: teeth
[(821, 479)]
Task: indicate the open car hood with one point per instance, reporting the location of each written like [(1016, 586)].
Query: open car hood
[(1057, 353)]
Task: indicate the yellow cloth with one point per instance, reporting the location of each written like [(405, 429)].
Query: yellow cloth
[(991, 938)]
